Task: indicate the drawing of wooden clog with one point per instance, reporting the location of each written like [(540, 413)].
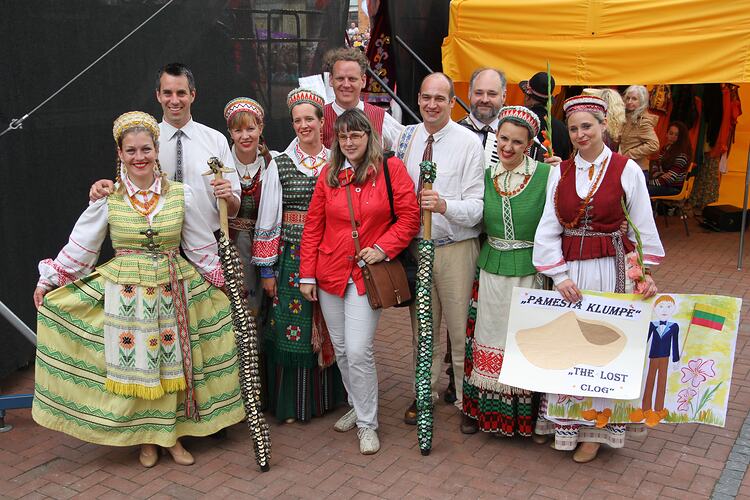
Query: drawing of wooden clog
[(569, 340)]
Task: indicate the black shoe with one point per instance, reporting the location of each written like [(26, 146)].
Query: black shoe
[(410, 415), (468, 425), (449, 396)]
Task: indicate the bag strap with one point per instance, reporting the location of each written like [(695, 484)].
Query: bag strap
[(355, 233), (388, 186)]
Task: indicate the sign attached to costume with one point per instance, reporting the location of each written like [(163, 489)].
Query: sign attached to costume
[(688, 365), (591, 348)]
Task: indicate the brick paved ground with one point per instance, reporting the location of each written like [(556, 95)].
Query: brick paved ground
[(312, 461)]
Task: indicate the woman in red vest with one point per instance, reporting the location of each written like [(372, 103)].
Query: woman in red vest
[(580, 245), (329, 269)]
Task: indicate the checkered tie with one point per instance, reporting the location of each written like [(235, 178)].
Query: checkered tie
[(178, 170)]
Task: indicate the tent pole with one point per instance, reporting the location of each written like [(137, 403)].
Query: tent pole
[(17, 323), (744, 213)]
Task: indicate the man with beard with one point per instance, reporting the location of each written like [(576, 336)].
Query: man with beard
[(486, 97)]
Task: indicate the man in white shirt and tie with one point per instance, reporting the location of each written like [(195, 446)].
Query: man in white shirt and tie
[(456, 203), (186, 145)]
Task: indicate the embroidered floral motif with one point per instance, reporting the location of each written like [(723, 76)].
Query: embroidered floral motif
[(293, 251), (150, 290), (293, 333), (152, 342), (167, 290), (167, 337), (127, 340), (295, 306), (294, 280), (128, 291)]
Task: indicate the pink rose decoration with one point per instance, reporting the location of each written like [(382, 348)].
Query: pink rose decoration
[(684, 397), (635, 273), (697, 371)]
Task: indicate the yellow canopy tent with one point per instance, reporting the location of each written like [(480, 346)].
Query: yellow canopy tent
[(611, 42)]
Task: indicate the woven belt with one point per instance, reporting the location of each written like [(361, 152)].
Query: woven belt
[(294, 217), (180, 306), (240, 224), (506, 245), (617, 242)]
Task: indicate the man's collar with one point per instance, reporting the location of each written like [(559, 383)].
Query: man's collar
[(169, 130), (480, 125), (440, 133), (338, 109)]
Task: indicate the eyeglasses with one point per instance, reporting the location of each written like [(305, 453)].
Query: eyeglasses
[(351, 136)]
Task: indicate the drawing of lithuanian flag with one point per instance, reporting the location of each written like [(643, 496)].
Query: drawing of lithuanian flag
[(709, 316)]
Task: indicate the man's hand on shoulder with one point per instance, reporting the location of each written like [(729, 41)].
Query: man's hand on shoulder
[(100, 189)]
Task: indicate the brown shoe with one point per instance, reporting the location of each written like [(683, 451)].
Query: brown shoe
[(149, 455), (468, 425), (180, 455), (586, 452), (410, 415)]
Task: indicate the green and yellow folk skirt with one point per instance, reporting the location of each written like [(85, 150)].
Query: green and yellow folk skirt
[(70, 393)]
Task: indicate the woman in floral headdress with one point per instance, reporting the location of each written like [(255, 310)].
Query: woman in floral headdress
[(303, 380), (580, 245), (514, 192), (125, 352), (244, 118)]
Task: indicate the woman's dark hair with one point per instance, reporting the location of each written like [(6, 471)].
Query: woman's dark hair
[(354, 120), (681, 146)]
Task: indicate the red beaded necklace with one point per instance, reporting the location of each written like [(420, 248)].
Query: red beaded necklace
[(510, 193), (249, 190), (582, 207)]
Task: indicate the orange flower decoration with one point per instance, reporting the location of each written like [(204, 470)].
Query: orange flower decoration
[(127, 340), (601, 417), (127, 291), (167, 336)]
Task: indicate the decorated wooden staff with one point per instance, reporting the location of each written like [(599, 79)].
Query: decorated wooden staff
[(424, 320), (246, 334)]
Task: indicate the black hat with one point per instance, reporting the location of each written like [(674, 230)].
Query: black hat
[(537, 85)]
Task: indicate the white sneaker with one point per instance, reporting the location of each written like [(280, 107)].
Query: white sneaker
[(347, 422), (369, 443)]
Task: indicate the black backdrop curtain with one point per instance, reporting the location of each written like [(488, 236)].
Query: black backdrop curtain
[(235, 47), (422, 24)]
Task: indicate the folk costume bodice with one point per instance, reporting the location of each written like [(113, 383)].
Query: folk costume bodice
[(510, 223), (296, 192), (141, 249)]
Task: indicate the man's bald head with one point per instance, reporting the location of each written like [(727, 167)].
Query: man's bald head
[(435, 78)]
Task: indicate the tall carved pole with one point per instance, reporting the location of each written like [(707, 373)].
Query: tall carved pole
[(245, 332), (426, 251)]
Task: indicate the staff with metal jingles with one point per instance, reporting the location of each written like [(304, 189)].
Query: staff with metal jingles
[(246, 334), (426, 253)]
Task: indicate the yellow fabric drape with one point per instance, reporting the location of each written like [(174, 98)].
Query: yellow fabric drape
[(602, 42)]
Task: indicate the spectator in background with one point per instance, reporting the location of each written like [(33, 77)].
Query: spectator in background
[(638, 140), (353, 30), (535, 98), (668, 171)]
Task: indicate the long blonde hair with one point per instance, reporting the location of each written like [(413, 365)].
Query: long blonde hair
[(354, 120), (615, 110)]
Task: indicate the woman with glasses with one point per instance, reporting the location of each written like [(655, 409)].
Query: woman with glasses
[(329, 267)]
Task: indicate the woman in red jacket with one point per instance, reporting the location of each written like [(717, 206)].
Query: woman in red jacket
[(328, 264)]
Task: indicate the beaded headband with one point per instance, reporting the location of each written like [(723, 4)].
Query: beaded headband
[(588, 103), (243, 104), (133, 119), (519, 114), (300, 95)]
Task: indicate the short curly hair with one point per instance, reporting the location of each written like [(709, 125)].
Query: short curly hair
[(345, 54)]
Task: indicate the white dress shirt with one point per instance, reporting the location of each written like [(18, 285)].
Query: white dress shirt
[(391, 128), (199, 143), (459, 181)]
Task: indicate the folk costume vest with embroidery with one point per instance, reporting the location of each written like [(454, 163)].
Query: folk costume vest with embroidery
[(602, 215), (375, 114), (128, 231), (248, 213), (296, 193), (527, 208)]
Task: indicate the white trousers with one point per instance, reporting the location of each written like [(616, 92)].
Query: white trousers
[(351, 325)]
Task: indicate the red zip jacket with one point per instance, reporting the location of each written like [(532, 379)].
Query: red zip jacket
[(327, 249)]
